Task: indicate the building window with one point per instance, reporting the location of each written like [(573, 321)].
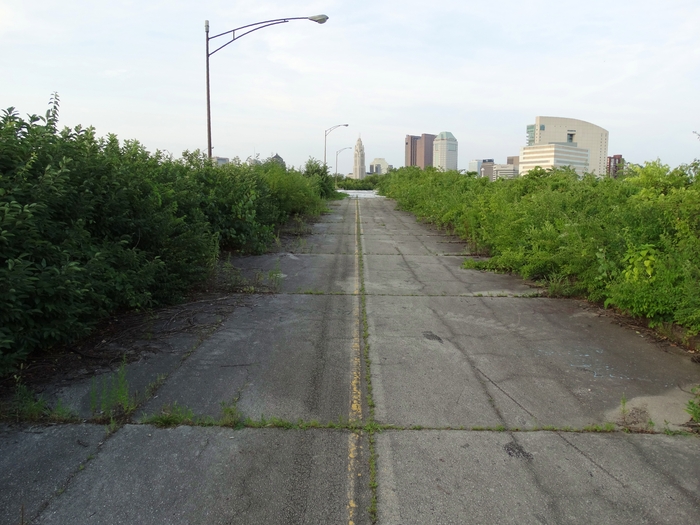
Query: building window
[(541, 127), (569, 137)]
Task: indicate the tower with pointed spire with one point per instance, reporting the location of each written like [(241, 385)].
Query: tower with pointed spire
[(359, 167)]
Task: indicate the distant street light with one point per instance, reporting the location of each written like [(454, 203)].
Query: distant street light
[(336, 158), (319, 19), (325, 139)]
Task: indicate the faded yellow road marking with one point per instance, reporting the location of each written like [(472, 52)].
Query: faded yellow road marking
[(356, 380)]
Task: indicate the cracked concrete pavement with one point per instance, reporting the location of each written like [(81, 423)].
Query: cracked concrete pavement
[(490, 389)]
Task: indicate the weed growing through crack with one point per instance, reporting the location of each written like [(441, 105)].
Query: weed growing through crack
[(110, 398), (171, 416), (26, 405), (153, 386), (62, 414), (693, 405), (274, 278), (112, 426), (606, 427), (230, 415), (623, 409)]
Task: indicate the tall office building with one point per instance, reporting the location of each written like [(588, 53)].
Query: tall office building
[(358, 166), (445, 151), (572, 132), (419, 150)]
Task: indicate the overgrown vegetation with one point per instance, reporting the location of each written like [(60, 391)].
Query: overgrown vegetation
[(25, 405), (110, 398), (631, 242), (368, 183), (693, 406), (90, 225)]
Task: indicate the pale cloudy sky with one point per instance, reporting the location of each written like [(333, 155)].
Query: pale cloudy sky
[(480, 69)]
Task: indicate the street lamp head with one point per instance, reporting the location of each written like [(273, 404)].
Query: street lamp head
[(319, 19)]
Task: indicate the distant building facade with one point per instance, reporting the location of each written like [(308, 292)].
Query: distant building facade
[(220, 161), (486, 169), (504, 171), (279, 160), (445, 151), (514, 160), (615, 164), (554, 155), (476, 164), (379, 166), (419, 150), (571, 132), (358, 168)]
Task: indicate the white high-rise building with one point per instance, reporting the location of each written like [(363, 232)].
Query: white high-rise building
[(554, 155), (358, 168), (573, 133), (445, 151)]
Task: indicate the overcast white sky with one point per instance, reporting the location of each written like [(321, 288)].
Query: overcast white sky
[(480, 69)]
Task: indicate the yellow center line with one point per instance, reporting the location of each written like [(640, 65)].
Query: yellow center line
[(356, 381)]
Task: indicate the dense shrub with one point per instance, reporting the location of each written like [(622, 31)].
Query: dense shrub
[(632, 242), (89, 225), (368, 183)]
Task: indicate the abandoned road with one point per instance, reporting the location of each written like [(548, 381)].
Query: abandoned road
[(383, 383)]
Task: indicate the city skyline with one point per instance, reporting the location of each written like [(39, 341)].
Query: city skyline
[(137, 70)]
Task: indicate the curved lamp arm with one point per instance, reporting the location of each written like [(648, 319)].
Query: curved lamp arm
[(325, 139), (333, 127), (319, 19)]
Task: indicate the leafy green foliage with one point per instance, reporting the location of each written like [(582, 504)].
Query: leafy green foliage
[(90, 225), (368, 183), (693, 406), (318, 174), (632, 242)]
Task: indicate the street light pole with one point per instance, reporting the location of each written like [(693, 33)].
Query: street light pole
[(336, 158), (319, 19), (206, 32), (325, 139)]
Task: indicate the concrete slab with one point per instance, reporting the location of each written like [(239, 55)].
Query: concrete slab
[(433, 244), (456, 477), (424, 382), (301, 273), (539, 362), (347, 227), (190, 475), (287, 356), (325, 244), (432, 275), (36, 462)]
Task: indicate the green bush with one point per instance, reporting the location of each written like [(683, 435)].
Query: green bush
[(368, 183), (89, 226), (632, 242)]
